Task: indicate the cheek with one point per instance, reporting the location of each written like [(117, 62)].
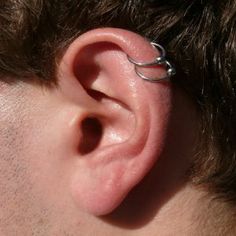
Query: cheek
[(36, 161), (29, 170), (16, 198), (12, 162)]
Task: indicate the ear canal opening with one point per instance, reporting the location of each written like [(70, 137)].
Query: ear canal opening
[(92, 132)]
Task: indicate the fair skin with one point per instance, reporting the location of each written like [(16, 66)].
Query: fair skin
[(57, 180)]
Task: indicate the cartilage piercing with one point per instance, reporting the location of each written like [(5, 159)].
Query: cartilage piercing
[(161, 60)]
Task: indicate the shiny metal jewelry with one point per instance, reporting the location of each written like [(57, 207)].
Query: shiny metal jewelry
[(161, 60)]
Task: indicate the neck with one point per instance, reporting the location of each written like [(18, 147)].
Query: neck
[(188, 212)]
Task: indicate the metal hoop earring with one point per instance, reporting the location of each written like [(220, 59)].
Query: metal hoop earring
[(161, 60)]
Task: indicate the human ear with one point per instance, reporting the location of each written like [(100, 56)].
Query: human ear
[(123, 120)]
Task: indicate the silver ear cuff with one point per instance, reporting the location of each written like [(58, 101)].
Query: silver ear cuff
[(161, 60)]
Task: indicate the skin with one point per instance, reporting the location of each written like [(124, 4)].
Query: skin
[(34, 168)]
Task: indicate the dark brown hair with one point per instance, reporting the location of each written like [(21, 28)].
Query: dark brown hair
[(199, 35)]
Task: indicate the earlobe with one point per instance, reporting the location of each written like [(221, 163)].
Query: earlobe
[(128, 117)]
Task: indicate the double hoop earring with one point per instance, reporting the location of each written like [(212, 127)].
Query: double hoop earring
[(161, 60)]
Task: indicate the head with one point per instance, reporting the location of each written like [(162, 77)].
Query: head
[(83, 138)]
